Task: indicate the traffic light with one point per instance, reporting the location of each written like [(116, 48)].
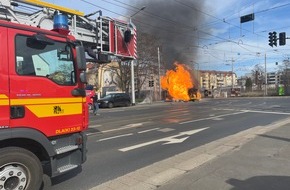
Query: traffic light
[(271, 39), (151, 83), (275, 39), (282, 38)]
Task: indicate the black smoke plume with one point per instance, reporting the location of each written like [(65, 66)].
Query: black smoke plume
[(174, 22)]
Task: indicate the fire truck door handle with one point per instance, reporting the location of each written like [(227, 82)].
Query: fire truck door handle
[(78, 92), (17, 112)]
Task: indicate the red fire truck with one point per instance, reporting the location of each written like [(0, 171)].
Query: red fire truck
[(43, 110)]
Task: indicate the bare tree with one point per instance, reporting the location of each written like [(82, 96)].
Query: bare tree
[(122, 71), (147, 64), (258, 76)]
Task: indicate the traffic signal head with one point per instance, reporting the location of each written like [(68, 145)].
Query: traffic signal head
[(151, 83), (275, 39), (282, 38), (271, 39)]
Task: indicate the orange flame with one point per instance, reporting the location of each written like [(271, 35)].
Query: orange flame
[(177, 82)]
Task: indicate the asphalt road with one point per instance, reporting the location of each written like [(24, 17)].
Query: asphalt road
[(122, 140)]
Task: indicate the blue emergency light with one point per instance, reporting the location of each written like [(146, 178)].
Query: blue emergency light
[(60, 21)]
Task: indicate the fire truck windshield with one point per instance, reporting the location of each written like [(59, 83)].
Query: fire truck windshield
[(51, 59)]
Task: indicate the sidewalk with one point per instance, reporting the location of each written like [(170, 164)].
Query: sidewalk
[(261, 164)]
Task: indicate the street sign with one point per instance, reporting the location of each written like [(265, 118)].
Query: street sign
[(247, 18)]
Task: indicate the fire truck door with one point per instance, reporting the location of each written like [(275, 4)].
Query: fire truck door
[(4, 88), (42, 79)]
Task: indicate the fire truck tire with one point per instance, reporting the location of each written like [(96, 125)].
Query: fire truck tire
[(19, 169)]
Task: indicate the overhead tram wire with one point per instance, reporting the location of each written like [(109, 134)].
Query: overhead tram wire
[(131, 7), (147, 13), (159, 28), (223, 20), (85, 1), (174, 22), (171, 21), (186, 26)]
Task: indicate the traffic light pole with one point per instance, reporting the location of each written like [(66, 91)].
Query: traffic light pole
[(266, 80), (132, 83), (159, 81)]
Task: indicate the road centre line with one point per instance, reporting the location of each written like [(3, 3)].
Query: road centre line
[(269, 112), (214, 117), (94, 126), (129, 126), (224, 109), (115, 137), (145, 131), (242, 111)]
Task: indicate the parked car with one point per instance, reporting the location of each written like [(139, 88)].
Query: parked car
[(114, 100)]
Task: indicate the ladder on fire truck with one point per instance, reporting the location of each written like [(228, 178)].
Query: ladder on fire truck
[(103, 37)]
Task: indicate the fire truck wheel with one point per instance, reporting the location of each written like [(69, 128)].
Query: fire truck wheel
[(19, 169)]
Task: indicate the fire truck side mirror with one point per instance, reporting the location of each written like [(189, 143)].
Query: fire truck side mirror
[(83, 77), (127, 36), (81, 57)]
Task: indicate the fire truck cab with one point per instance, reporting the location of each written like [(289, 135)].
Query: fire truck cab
[(42, 104), (43, 109)]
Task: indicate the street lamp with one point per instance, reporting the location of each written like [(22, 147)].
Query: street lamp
[(141, 9), (232, 60), (159, 79), (132, 64), (266, 80), (197, 71)]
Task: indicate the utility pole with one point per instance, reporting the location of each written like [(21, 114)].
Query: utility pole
[(232, 73), (266, 80), (132, 64), (232, 60), (159, 73), (133, 83)]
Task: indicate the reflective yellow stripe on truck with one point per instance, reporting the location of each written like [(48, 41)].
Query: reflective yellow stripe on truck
[(51, 107), (4, 101)]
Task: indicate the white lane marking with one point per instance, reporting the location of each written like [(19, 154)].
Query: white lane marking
[(167, 140), (115, 137), (218, 119), (224, 109), (269, 112), (121, 128), (214, 117), (94, 126), (149, 130), (164, 130), (134, 125), (262, 104)]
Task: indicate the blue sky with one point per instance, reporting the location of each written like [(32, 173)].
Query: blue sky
[(245, 45)]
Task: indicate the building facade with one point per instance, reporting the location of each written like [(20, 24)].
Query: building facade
[(217, 79)]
